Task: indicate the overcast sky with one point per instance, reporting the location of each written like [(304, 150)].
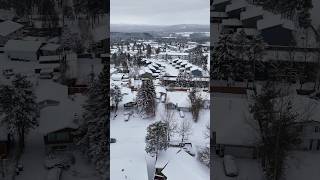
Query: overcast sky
[(160, 12)]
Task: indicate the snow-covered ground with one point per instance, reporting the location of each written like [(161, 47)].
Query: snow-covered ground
[(128, 157)]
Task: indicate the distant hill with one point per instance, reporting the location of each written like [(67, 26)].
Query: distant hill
[(118, 36), (159, 28)]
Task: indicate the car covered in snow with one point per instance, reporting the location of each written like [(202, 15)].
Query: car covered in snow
[(230, 166)]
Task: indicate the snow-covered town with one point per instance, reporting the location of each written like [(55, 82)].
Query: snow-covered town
[(265, 89), (160, 101), (50, 53)]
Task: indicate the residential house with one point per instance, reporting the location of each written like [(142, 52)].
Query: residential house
[(23, 50), (9, 30)]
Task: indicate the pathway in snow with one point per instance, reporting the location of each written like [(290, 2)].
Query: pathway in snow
[(33, 158)]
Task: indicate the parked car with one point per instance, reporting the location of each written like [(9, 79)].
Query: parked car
[(230, 166), (181, 114)]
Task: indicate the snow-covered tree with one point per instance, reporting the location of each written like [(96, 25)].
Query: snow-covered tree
[(146, 97), (204, 152), (170, 120), (94, 132), (278, 128), (255, 53), (196, 103), (19, 107), (149, 51), (156, 138), (116, 96), (222, 57), (184, 130)]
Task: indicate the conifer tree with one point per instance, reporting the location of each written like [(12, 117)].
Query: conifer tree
[(19, 107), (146, 98), (156, 138)]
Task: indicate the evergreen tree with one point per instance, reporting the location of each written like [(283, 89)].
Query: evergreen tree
[(223, 55), (156, 138), (146, 97), (19, 107), (116, 96), (94, 132), (149, 51)]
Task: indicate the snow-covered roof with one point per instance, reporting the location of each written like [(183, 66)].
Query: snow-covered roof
[(49, 58), (250, 12), (179, 98), (117, 76), (215, 2), (236, 5), (9, 27), (128, 98), (22, 46), (50, 47), (160, 89), (231, 22), (55, 118), (184, 166), (35, 38), (232, 124), (170, 53), (165, 156), (100, 33), (270, 20)]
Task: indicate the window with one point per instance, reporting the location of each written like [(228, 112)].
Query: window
[(63, 136), (316, 129), (52, 137), (318, 144)]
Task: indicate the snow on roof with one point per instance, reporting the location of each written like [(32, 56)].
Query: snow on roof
[(165, 156), (218, 14), (271, 20), (49, 58), (215, 2), (128, 98), (231, 22), (113, 70), (170, 53), (35, 38), (117, 76), (9, 27), (179, 98), (232, 124), (22, 46), (184, 166), (236, 5), (160, 89), (100, 33), (55, 118), (250, 12), (50, 47)]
